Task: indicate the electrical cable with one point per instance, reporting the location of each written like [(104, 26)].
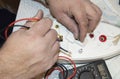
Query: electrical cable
[(31, 20), (74, 68), (65, 70), (51, 70), (22, 26), (56, 65), (60, 68), (11, 24), (2, 37)]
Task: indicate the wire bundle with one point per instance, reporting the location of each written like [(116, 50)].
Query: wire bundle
[(62, 69), (12, 24)]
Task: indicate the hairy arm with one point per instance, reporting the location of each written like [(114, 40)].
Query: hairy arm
[(26, 52)]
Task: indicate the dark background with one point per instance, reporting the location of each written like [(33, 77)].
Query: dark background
[(8, 11)]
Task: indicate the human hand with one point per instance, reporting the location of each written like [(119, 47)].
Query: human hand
[(79, 16), (27, 53)]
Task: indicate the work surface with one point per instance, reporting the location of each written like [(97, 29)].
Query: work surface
[(29, 8)]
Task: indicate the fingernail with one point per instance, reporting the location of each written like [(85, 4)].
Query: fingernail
[(90, 30), (76, 36), (82, 39)]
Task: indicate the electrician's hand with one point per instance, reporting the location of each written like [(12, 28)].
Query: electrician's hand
[(27, 53), (79, 16)]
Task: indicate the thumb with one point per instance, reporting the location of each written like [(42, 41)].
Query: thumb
[(39, 14)]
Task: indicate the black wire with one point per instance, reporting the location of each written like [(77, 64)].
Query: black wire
[(55, 65), (2, 30), (65, 70), (48, 71), (64, 75), (2, 38), (22, 26)]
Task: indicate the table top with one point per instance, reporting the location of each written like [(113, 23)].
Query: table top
[(29, 8)]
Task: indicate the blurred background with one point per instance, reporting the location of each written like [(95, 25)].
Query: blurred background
[(8, 11)]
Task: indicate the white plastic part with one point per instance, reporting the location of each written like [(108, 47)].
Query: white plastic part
[(113, 5), (91, 48)]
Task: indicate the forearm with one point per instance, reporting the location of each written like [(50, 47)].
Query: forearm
[(3, 69), (9, 70), (18, 61)]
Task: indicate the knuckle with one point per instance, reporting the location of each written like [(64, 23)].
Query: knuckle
[(82, 19), (60, 18), (81, 16), (97, 17), (47, 21), (53, 33), (100, 13), (83, 23)]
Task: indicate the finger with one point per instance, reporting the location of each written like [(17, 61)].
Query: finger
[(92, 25), (98, 10), (93, 16), (69, 23), (91, 13), (51, 37), (99, 13), (56, 58), (39, 15), (53, 60), (81, 19), (41, 27), (55, 48)]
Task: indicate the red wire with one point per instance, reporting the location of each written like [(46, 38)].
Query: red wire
[(55, 68), (60, 57), (72, 62), (12, 23)]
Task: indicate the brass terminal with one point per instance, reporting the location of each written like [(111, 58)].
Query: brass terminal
[(56, 26), (60, 38)]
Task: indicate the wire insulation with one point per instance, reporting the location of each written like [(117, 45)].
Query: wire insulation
[(12, 24), (67, 59), (61, 68)]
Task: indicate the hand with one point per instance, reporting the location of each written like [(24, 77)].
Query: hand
[(27, 53), (79, 16)]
